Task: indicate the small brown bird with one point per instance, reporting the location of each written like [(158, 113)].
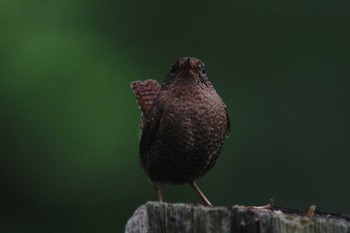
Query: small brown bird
[(184, 125)]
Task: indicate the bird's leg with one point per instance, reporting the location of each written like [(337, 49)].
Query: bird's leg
[(159, 189), (204, 199)]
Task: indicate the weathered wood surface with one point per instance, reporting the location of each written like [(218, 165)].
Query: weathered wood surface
[(155, 217)]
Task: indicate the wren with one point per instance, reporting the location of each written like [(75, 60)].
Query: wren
[(184, 124)]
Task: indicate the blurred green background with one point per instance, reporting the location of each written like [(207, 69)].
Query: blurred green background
[(69, 121)]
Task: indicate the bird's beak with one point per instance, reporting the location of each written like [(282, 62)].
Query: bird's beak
[(188, 64)]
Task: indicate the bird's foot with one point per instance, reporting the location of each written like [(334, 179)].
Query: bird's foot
[(269, 206)]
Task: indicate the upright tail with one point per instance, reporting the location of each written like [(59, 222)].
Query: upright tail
[(146, 93)]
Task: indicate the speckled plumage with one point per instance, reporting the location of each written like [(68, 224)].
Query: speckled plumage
[(184, 129)]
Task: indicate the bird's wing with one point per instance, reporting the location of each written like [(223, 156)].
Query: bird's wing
[(149, 132), (146, 93)]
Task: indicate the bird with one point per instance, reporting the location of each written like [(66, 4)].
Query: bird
[(184, 124)]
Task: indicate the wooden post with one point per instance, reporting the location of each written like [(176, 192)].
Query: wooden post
[(155, 217)]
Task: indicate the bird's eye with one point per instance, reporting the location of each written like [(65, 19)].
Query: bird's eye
[(202, 69), (173, 69)]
